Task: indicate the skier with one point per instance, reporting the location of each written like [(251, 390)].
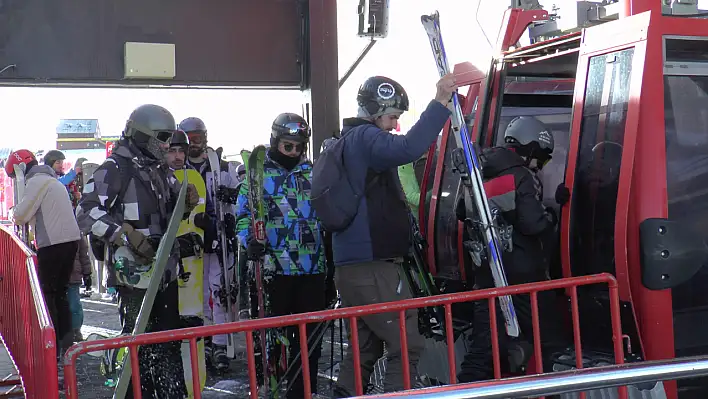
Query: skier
[(294, 258), (126, 206), (46, 205), (512, 170), (368, 252), (216, 314), (243, 291)]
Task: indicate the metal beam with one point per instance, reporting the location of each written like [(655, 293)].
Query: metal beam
[(323, 71)]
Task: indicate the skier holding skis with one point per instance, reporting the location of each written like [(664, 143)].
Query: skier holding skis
[(294, 256), (511, 171), (126, 206), (214, 279), (369, 251)]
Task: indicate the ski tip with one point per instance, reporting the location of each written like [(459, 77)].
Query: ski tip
[(434, 17)]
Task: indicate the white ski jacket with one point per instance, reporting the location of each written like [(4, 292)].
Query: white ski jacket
[(47, 207)]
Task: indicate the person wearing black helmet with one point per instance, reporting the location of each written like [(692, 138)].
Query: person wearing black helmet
[(177, 154), (125, 208), (510, 172), (197, 158), (368, 253), (294, 261)]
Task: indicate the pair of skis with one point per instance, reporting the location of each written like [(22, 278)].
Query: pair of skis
[(467, 162), (215, 166)]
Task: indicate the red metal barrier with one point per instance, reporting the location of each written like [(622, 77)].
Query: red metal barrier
[(301, 320), (24, 321)]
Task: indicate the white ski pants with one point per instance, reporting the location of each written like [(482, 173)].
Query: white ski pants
[(216, 313)]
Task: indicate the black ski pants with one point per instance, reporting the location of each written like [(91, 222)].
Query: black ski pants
[(477, 364), (161, 369), (293, 295), (55, 264)]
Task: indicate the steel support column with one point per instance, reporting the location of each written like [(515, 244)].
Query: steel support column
[(323, 71)]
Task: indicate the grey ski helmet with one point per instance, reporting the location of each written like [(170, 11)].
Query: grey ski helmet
[(52, 156), (530, 138), (193, 125), (150, 126)]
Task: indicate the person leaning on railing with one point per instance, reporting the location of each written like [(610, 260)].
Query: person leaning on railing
[(46, 205)]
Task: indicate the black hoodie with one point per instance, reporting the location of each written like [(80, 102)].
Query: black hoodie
[(524, 210)]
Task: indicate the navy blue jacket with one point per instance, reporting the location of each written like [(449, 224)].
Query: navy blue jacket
[(381, 228)]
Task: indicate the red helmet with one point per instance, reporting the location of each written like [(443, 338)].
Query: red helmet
[(19, 158)]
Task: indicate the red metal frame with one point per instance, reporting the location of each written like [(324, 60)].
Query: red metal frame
[(24, 321), (301, 320)]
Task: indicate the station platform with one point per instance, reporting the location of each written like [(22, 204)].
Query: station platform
[(9, 377)]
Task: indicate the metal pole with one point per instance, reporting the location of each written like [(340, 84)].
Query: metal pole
[(356, 63), (568, 381)]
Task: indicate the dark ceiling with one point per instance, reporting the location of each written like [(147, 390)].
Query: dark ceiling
[(242, 43)]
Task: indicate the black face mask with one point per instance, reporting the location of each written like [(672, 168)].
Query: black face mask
[(283, 160)]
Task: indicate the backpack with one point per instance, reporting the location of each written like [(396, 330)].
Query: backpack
[(334, 199), (98, 245)]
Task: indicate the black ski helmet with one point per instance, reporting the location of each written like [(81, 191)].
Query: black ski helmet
[(52, 156), (379, 95), (150, 126), (180, 139), (290, 126), (530, 138), (193, 125)]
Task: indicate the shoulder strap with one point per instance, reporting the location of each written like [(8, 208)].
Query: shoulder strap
[(124, 167)]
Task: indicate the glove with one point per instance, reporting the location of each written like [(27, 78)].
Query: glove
[(227, 194), (255, 250), (230, 226), (552, 215), (87, 281), (137, 241), (192, 199), (203, 221), (562, 194)]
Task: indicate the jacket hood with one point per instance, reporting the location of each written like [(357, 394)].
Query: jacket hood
[(498, 159), (350, 123), (41, 170)]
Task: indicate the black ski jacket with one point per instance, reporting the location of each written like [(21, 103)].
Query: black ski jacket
[(518, 193)]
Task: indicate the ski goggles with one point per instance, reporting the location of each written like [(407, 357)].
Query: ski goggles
[(295, 129), (163, 136)]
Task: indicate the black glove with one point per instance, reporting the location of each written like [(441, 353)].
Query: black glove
[(203, 221), (552, 215), (230, 226), (562, 194), (227, 194), (255, 250), (87, 281)]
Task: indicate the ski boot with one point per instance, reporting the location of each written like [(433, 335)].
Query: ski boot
[(220, 360)]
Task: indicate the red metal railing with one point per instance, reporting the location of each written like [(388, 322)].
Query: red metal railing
[(24, 321), (301, 320)]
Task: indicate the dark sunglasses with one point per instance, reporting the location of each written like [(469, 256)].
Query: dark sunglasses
[(290, 146)]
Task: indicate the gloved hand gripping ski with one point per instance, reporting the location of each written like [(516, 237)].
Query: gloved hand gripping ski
[(471, 175)]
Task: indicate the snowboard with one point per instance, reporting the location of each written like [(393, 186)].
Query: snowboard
[(191, 279)]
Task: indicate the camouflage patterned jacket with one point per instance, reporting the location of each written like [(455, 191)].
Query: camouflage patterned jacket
[(295, 245), (146, 204)]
